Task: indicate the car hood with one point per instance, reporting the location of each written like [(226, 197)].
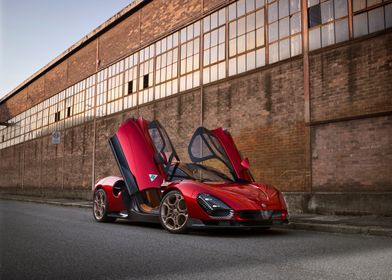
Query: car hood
[(252, 196)]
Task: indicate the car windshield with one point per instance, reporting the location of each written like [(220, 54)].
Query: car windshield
[(193, 171)]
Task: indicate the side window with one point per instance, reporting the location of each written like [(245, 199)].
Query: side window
[(157, 139), (162, 142)]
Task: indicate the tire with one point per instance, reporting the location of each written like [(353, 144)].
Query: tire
[(100, 207), (173, 213)]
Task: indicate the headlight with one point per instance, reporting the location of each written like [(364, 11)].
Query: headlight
[(214, 206)]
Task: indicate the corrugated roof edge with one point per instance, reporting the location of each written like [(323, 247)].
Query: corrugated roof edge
[(132, 7)]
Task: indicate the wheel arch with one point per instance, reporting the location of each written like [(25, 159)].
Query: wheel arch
[(189, 190), (115, 202), (170, 189)]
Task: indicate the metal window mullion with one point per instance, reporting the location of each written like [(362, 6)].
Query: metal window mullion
[(123, 88), (138, 65), (179, 43), (266, 24), (152, 72), (227, 41)]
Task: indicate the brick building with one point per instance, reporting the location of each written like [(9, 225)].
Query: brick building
[(305, 88)]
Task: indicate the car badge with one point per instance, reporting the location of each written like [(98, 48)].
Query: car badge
[(152, 177), (263, 205)]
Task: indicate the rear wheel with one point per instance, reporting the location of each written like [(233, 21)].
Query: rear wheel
[(100, 207), (173, 212)]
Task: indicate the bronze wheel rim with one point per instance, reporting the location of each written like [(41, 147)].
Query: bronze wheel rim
[(174, 213), (99, 205)]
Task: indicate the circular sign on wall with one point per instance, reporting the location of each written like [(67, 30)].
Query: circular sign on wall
[(56, 137)]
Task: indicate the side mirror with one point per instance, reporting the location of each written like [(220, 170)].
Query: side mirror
[(245, 163)]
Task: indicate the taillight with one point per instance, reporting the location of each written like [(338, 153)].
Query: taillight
[(283, 215)]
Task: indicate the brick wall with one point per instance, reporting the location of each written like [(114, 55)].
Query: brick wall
[(264, 112), (32, 163), (353, 156), (14, 106), (349, 81), (161, 16), (208, 5), (36, 92), (120, 40), (78, 157), (352, 80), (56, 79), (11, 167), (82, 64)]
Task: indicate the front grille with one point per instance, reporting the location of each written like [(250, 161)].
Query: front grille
[(259, 214), (232, 223)]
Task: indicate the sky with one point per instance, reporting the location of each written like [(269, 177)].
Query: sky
[(33, 32)]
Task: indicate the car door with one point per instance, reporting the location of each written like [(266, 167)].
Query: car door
[(218, 144), (162, 144), (136, 156)]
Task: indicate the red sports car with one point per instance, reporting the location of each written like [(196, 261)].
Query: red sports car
[(157, 187)]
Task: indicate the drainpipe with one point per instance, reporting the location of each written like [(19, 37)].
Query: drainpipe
[(307, 104), (95, 116)]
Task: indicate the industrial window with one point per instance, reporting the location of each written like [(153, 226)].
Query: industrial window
[(79, 103), (57, 116), (90, 97), (37, 109), (328, 22), (38, 121), (28, 133), (284, 29), (52, 112), (146, 74), (115, 87), (130, 64), (45, 113), (246, 36), (101, 93), (189, 55), (60, 111), (166, 75), (69, 106), (371, 16), (214, 40)]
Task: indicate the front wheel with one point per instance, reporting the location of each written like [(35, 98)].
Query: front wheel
[(173, 212), (100, 207)]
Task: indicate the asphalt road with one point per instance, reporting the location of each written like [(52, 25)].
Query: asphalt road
[(49, 242)]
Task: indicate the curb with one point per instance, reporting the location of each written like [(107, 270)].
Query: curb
[(68, 204), (342, 228)]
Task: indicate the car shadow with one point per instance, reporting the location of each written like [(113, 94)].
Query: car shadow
[(226, 232), (230, 233)]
